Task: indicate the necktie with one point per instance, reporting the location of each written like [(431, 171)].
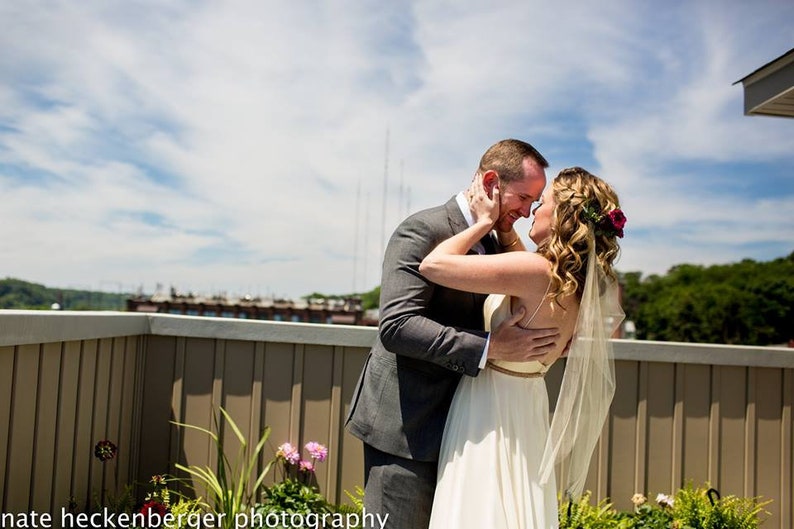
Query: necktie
[(488, 244)]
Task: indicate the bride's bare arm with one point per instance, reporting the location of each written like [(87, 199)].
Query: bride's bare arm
[(510, 273)]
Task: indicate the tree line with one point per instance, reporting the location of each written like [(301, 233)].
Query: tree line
[(744, 303), (19, 294)]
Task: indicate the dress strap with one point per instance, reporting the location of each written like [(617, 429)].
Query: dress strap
[(542, 299)]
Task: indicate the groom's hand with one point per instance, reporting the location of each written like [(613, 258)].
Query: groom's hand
[(516, 344)]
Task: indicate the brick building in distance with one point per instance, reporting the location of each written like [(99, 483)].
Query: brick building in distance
[(347, 311)]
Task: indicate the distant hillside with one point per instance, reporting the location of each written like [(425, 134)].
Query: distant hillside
[(748, 303), (18, 294)]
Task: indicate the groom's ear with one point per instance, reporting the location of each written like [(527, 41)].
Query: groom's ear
[(490, 179)]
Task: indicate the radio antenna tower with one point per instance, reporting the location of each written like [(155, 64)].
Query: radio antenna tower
[(355, 235), (385, 192)]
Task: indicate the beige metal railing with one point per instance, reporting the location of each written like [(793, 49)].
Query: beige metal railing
[(706, 413)]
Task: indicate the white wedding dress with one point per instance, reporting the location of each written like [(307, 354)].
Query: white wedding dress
[(488, 473)]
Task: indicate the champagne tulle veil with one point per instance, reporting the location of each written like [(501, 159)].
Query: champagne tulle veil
[(588, 383)]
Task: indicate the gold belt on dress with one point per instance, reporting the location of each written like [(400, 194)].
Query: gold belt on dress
[(512, 373)]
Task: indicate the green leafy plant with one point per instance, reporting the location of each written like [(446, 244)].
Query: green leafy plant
[(292, 496), (703, 508), (234, 487), (297, 492), (690, 508), (186, 511), (357, 507), (650, 516), (357, 498), (123, 502), (581, 515)]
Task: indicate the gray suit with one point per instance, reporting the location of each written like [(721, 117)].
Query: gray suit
[(429, 336)]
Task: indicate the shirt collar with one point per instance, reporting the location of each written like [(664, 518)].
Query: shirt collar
[(463, 204)]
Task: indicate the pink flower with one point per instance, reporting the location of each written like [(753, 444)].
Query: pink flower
[(288, 452), (306, 466), (317, 451)]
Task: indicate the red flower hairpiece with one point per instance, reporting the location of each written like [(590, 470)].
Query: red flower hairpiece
[(610, 224)]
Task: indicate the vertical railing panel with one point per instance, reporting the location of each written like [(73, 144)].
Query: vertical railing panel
[(126, 379), (296, 396), (6, 384), (101, 387), (83, 446), (64, 471), (335, 419), (176, 442), (750, 434), (156, 430), (277, 392), (22, 430), (111, 477), (661, 401), (46, 420), (238, 379), (623, 427), (197, 407), (256, 420), (316, 402), (677, 446), (769, 463), (696, 400), (351, 451), (714, 426), (731, 454), (640, 434)]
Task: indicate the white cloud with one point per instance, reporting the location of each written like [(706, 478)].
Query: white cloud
[(137, 136)]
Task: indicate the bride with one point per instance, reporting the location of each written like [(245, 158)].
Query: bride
[(498, 452)]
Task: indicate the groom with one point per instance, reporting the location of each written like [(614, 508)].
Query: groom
[(429, 336)]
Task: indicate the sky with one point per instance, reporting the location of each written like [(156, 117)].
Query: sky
[(269, 148)]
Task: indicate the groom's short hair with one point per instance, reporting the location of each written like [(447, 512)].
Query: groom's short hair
[(506, 158)]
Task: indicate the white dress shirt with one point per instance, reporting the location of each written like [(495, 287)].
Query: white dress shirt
[(463, 204)]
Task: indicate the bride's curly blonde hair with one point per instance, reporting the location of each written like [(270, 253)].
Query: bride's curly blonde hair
[(576, 191)]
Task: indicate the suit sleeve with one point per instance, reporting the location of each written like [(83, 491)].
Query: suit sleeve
[(410, 308)]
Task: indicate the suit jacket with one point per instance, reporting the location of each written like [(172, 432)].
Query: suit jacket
[(428, 337)]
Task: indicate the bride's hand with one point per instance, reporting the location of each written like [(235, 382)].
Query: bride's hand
[(483, 207)]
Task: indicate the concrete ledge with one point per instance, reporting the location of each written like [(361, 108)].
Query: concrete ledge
[(33, 326), (261, 331), (18, 327), (710, 354)]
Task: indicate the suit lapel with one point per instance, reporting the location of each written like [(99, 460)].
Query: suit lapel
[(457, 222)]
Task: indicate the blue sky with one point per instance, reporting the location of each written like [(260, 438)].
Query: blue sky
[(241, 146)]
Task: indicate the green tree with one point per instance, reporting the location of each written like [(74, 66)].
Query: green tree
[(748, 302)]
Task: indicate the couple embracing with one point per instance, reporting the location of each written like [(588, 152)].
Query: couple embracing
[(452, 405)]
